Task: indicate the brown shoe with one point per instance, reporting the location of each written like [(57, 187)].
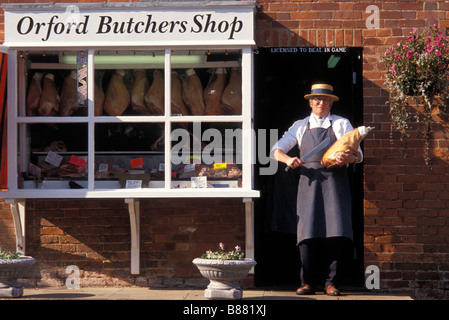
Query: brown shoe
[(305, 290), (332, 291)]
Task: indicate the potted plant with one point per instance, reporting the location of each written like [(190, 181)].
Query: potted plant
[(12, 267), (224, 271), (417, 72)]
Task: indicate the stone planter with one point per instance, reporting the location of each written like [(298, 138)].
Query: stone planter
[(224, 276), (10, 271)]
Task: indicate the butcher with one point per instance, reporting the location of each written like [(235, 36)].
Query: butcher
[(324, 199)]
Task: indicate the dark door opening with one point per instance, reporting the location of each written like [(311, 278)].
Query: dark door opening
[(282, 77)]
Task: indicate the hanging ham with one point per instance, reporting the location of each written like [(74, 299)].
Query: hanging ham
[(154, 97), (49, 102), (68, 102), (232, 95), (192, 92), (177, 103), (117, 97), (34, 94), (213, 93), (99, 100), (140, 87)]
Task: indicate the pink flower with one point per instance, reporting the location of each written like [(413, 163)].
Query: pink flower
[(409, 54), (414, 30), (221, 246), (411, 38), (392, 68), (429, 48), (398, 57), (438, 53)]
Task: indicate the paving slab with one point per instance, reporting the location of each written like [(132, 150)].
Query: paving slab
[(145, 293)]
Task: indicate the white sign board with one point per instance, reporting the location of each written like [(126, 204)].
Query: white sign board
[(80, 26)]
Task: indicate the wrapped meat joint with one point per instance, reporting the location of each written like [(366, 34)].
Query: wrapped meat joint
[(214, 91), (117, 97), (192, 92), (34, 94), (232, 95), (140, 87), (154, 97), (69, 102), (99, 100), (177, 102), (350, 140), (49, 102)]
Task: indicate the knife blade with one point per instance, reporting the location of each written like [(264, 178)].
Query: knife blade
[(323, 144)]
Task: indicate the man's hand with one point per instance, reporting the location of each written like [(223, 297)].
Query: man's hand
[(343, 158), (294, 162)]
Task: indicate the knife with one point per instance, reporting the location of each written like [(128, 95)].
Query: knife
[(315, 150)]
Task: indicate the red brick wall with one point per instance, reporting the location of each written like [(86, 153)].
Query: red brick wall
[(7, 233), (406, 224), (405, 206), (95, 236)]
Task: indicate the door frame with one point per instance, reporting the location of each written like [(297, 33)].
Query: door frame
[(353, 110)]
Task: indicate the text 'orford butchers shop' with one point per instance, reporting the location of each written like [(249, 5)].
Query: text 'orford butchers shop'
[(200, 23), (57, 26)]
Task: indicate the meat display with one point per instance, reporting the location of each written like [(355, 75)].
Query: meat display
[(350, 140), (154, 97), (145, 96), (117, 97), (199, 170), (69, 170), (213, 92), (140, 87), (49, 102), (34, 94), (68, 104), (232, 95), (192, 92), (140, 92), (177, 103)]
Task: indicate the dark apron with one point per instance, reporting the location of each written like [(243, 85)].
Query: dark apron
[(324, 197)]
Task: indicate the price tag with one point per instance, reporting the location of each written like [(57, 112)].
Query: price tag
[(133, 184), (77, 161), (198, 182), (220, 165), (161, 166), (53, 158), (103, 167), (189, 167), (136, 163)]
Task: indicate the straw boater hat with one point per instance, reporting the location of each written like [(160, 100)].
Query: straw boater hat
[(321, 89)]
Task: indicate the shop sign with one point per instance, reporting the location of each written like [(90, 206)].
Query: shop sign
[(72, 25)]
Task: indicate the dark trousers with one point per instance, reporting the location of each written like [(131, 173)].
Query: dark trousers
[(321, 261)]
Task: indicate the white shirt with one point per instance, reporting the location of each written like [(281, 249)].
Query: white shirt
[(294, 135)]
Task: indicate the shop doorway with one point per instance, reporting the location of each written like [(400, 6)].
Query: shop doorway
[(282, 77)]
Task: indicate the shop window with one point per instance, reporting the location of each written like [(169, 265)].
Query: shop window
[(104, 115)]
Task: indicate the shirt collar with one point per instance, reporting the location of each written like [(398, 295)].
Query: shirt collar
[(314, 120)]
